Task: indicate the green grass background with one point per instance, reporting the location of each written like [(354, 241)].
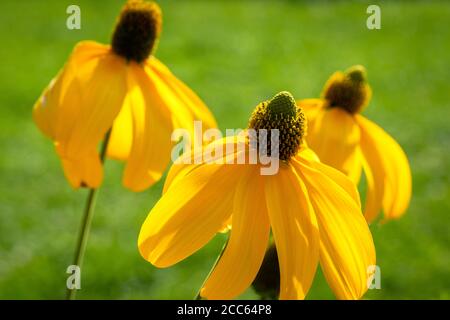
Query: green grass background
[(233, 54)]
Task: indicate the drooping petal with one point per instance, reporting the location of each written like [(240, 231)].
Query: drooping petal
[(346, 245), (334, 136), (184, 104), (337, 176), (102, 89), (121, 139), (375, 187), (152, 129), (388, 172), (45, 109), (84, 171), (232, 147), (307, 153), (227, 225), (79, 107), (295, 230), (228, 147), (189, 214), (312, 108), (248, 241), (54, 106), (176, 173)]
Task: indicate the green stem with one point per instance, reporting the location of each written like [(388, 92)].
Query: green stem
[(198, 297), (86, 221)]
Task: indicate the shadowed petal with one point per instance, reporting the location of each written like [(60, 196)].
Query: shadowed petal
[(249, 237), (184, 104), (335, 137), (188, 215), (79, 107), (295, 230), (230, 146), (387, 170), (346, 245), (312, 108), (152, 129), (306, 155)]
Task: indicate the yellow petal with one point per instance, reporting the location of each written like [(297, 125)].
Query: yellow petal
[(312, 108), (176, 173), (306, 153), (79, 106), (346, 245), (121, 138), (227, 225), (335, 137), (248, 241), (375, 186), (341, 179), (84, 171), (102, 89), (188, 215), (231, 146), (388, 172), (152, 129), (185, 105), (54, 106), (295, 230)]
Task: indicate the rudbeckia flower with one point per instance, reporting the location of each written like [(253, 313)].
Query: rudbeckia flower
[(122, 87), (312, 210), (348, 141)]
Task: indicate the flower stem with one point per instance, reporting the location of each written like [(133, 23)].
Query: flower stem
[(86, 221), (198, 297)]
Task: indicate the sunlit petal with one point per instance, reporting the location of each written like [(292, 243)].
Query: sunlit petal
[(346, 245), (295, 230), (248, 241), (152, 128), (387, 170), (335, 137), (184, 104), (188, 214), (312, 108)]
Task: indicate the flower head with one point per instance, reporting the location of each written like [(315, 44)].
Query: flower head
[(137, 30), (122, 88), (347, 141), (281, 113), (312, 210), (348, 90)]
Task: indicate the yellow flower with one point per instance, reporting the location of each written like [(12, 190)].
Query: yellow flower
[(124, 87), (346, 140), (312, 209)]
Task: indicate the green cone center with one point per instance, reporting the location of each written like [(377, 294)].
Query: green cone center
[(282, 113)]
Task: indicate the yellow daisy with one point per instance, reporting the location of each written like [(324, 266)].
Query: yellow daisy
[(312, 210), (122, 86), (346, 140)]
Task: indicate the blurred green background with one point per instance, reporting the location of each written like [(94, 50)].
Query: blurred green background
[(233, 54)]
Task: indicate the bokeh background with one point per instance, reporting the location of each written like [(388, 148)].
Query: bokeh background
[(233, 54)]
